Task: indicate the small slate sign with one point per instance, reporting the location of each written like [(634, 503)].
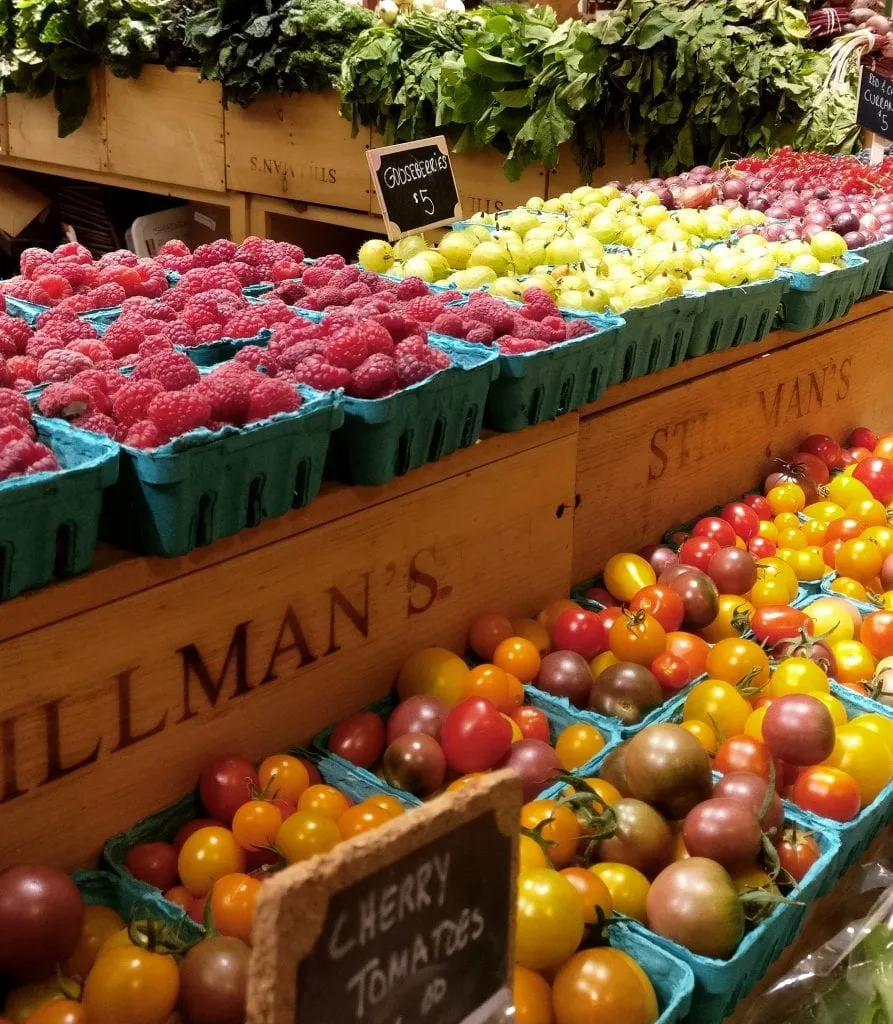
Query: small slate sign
[(875, 107), (411, 923), (415, 186)]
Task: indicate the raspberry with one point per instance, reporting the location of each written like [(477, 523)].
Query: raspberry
[(553, 322), (577, 328), (518, 346), (329, 296), (482, 334), (208, 334), (417, 363), (285, 270), (143, 434), (319, 374), (395, 324), (24, 367), (131, 403), (528, 329), (41, 344), (196, 318), (411, 288), (32, 260), (492, 312), (17, 331), (55, 286), (65, 401), (174, 247), (220, 277), (335, 261), (450, 295), (180, 333), (95, 351), (105, 296), (7, 347), (244, 273), (123, 338), (98, 423), (317, 275), (448, 323), (12, 402), (291, 292), (10, 433), (173, 370), (147, 309), (176, 412), (376, 337), (256, 358), (426, 309), (344, 277), (61, 364), (25, 456), (119, 258), (295, 354), (356, 293), (229, 395), (271, 396), (374, 377), (245, 324), (93, 381), (347, 348), (538, 297), (154, 345)]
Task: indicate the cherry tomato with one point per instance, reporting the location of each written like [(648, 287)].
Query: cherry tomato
[(693, 650), (770, 590), (797, 852), (475, 736), (593, 893), (779, 622), (735, 659), (732, 619), (603, 986), (854, 661), (661, 603), (877, 634), (578, 744), (797, 675), (535, 632), (433, 672), (759, 504), (862, 437), (828, 792), (256, 823), (362, 818), (548, 920), (838, 711), (602, 661), (877, 475), (519, 657), (385, 802), (323, 799), (551, 612), (836, 618), (808, 564), (882, 536), (530, 853), (153, 863), (607, 793), (180, 896), (697, 551), (638, 638), (754, 724), (207, 855), (360, 738), (815, 532), (719, 704), (825, 447), (609, 616), (232, 904), (716, 529), (859, 559), (670, 671), (704, 734), (625, 575), (225, 784), (133, 985), (64, 1011), (628, 888), (760, 547), (581, 631), (306, 833), (562, 830), (283, 776), (869, 511), (487, 632), (742, 518), (786, 497), (743, 754), (533, 723), (99, 924), (865, 756), (491, 682), (532, 997)]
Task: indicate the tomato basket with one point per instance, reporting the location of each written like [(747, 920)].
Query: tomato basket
[(672, 979), (49, 521), (814, 299), (735, 316)]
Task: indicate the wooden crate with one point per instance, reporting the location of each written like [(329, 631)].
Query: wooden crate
[(166, 126), (618, 166), (4, 127), (34, 133), (650, 463), (298, 147), (118, 685)]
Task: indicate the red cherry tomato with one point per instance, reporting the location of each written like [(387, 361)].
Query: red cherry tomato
[(475, 736), (601, 595), (797, 852), (828, 792), (827, 449), (532, 722), (716, 529), (581, 631), (661, 603), (697, 551), (845, 528), (877, 633), (359, 738), (814, 467), (862, 437), (671, 671), (744, 520), (226, 782), (693, 650), (760, 504), (829, 552), (850, 455), (778, 622), (877, 475), (761, 547), (743, 754), (153, 863), (609, 616)]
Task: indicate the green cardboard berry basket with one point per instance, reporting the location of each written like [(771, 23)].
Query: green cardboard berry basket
[(49, 521), (386, 437), (878, 256), (736, 316), (654, 338), (814, 299), (206, 485)]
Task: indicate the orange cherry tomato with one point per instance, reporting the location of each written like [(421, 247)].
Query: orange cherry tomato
[(491, 682), (99, 924), (693, 650), (324, 800), (63, 1011), (561, 829), (256, 823), (387, 803), (704, 734), (535, 632), (362, 818), (638, 637), (283, 776), (578, 744), (520, 657), (735, 658), (131, 984), (232, 904), (594, 894), (532, 997)]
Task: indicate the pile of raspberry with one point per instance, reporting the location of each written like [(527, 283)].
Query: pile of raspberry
[(329, 284), (533, 326), (68, 278), (166, 397), (21, 454), (369, 357), (255, 261)]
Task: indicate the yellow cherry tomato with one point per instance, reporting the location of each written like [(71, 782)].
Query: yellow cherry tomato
[(628, 888), (887, 601), (754, 724), (719, 704), (786, 497), (808, 564), (859, 559), (625, 574), (830, 620), (868, 511), (732, 619), (548, 919), (797, 675), (882, 536), (578, 744), (786, 521), (602, 661), (864, 755), (854, 661), (843, 490), (433, 672), (771, 591), (776, 567), (877, 723), (838, 711), (827, 511), (814, 531), (531, 855), (516, 729), (849, 587), (705, 734), (768, 530), (792, 537), (734, 659)]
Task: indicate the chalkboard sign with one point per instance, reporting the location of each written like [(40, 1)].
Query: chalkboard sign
[(415, 186), (875, 107), (409, 923)]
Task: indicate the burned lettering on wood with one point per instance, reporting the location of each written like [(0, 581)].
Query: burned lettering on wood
[(677, 445), (286, 170), (359, 619), (806, 393), (56, 768), (126, 735), (194, 666)]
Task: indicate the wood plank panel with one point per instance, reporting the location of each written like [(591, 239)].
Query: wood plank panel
[(659, 460), (617, 166), (108, 715)]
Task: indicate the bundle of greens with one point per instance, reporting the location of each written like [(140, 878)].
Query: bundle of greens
[(272, 46)]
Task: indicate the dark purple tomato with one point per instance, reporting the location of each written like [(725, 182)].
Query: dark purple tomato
[(799, 729), (625, 691), (214, 982), (725, 830), (359, 738), (674, 572), (659, 557), (417, 714), (153, 863), (668, 768), (750, 790), (694, 902), (535, 762), (566, 674), (732, 570), (700, 598), (415, 763), (642, 838), (613, 770), (226, 782), (41, 914), (475, 736)]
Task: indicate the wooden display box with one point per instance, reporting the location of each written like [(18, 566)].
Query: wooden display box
[(617, 167), (166, 126), (34, 131), (298, 147)]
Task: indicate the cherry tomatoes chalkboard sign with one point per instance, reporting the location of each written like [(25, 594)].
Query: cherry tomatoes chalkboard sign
[(412, 922), (415, 186)]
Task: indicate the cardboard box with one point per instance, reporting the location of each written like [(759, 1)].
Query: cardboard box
[(19, 204)]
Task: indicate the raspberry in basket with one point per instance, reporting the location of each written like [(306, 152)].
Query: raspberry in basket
[(176, 412)]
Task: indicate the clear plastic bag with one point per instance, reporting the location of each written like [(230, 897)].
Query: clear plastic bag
[(848, 979)]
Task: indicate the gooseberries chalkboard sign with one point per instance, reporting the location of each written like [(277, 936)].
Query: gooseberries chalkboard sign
[(415, 186), (874, 110), (411, 923)]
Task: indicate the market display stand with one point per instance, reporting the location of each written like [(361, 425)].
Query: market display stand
[(282, 159), (124, 680)]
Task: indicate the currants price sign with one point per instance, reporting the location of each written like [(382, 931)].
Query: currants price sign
[(875, 108), (410, 923), (415, 186)]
